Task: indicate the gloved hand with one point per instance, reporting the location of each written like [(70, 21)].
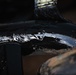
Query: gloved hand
[(64, 64)]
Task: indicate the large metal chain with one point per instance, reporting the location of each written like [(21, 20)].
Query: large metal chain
[(47, 10)]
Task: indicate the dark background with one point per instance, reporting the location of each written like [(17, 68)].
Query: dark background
[(21, 10), (68, 9)]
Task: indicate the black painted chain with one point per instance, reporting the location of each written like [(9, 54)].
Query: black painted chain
[(47, 10)]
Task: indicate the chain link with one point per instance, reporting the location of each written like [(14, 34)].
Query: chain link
[(44, 3)]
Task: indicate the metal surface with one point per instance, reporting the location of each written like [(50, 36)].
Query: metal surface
[(44, 9), (47, 10), (23, 38), (44, 3)]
